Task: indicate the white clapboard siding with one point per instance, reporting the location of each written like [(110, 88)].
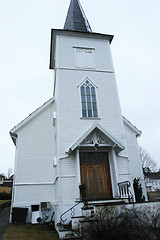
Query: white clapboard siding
[(68, 166), (35, 150), (68, 178), (33, 194), (133, 153), (123, 178), (69, 188), (66, 50), (123, 169), (123, 165)]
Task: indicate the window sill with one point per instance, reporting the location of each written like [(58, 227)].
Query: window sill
[(90, 118)]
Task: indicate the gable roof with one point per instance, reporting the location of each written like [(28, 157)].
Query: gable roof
[(131, 126), (116, 144), (27, 119), (76, 19)]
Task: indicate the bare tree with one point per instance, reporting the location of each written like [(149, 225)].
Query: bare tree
[(148, 164)]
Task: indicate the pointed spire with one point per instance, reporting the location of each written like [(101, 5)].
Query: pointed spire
[(76, 19)]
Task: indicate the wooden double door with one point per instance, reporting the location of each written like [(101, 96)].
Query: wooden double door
[(95, 174)]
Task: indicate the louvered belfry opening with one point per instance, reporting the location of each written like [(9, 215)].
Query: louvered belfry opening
[(76, 19)]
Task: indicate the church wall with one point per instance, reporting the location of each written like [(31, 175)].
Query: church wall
[(133, 152), (34, 161)]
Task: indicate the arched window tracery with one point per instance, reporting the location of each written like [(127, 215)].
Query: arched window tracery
[(88, 100)]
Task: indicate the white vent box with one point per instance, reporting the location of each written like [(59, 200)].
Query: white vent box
[(45, 205)]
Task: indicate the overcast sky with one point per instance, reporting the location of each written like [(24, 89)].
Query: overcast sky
[(26, 81)]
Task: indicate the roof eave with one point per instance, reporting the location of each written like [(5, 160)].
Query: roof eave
[(134, 128), (14, 137), (30, 117), (89, 34)]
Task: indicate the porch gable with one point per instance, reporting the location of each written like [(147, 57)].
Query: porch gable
[(98, 137)]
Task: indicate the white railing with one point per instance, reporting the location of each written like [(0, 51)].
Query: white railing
[(124, 191)]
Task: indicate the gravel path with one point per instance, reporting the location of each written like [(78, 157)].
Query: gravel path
[(4, 220)]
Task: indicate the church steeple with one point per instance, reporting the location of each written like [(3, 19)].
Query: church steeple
[(76, 19)]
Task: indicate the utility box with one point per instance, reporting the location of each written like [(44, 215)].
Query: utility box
[(45, 205), (19, 215)]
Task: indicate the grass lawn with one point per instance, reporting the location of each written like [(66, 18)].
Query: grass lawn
[(3, 201), (5, 189), (30, 232)]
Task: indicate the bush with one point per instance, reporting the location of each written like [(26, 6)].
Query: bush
[(127, 225), (5, 196), (138, 190)]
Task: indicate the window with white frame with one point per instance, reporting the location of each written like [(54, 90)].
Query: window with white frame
[(84, 57), (88, 100)]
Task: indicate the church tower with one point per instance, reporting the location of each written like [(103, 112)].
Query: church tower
[(90, 138), (84, 85)]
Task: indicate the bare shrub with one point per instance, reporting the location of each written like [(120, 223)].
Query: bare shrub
[(127, 224)]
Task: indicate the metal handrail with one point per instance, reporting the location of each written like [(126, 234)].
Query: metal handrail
[(68, 211)]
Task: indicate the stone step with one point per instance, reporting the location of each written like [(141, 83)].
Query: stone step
[(65, 231), (72, 236), (64, 227), (76, 220), (77, 217), (106, 202)]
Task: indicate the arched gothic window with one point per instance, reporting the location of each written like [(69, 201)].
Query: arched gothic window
[(88, 100)]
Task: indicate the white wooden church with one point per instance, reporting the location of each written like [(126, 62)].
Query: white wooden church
[(77, 147)]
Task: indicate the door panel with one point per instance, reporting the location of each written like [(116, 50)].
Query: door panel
[(95, 174), (103, 183), (87, 178)]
